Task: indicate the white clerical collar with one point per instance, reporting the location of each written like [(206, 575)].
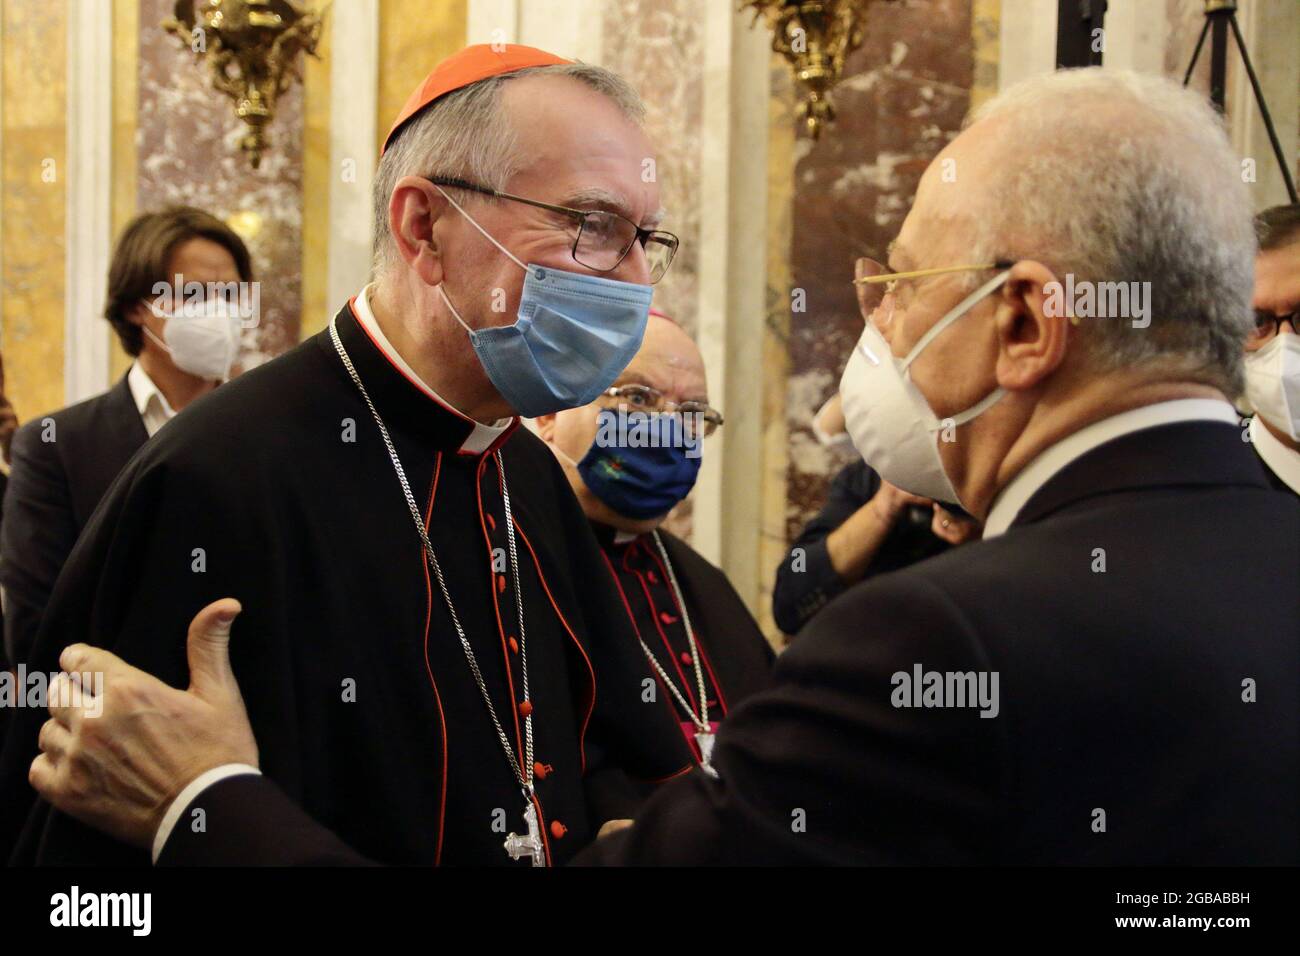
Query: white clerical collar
[(1281, 460), (482, 437), (1038, 472)]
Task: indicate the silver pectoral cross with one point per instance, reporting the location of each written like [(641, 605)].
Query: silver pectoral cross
[(705, 740), (527, 846)]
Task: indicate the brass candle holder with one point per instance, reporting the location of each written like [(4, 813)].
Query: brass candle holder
[(815, 36), (252, 50)]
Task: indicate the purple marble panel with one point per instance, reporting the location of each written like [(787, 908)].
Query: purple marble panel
[(902, 100), (187, 142)]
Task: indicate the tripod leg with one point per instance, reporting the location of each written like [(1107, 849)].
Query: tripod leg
[(1200, 42), (1263, 110)]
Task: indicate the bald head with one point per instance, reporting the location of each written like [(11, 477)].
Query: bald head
[(1120, 187), (1111, 177), (669, 361)]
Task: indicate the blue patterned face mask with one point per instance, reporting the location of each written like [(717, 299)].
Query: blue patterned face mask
[(573, 336), (643, 466)]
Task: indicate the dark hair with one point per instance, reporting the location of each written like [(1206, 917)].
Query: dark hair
[(143, 256), (1278, 227)]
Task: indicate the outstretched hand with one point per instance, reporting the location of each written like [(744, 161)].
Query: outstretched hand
[(121, 744)]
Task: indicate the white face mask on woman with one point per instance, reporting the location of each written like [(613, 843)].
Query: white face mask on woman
[(203, 342), (891, 422), (1273, 383)]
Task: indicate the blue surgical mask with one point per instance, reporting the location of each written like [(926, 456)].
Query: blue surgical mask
[(574, 334), (640, 465)]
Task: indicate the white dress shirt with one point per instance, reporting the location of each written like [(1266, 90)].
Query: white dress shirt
[(1018, 491), (1281, 460), (150, 402)]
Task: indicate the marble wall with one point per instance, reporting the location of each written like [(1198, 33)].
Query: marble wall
[(657, 47), (188, 152), (903, 98)]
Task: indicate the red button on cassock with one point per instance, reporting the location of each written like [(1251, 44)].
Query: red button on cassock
[(558, 829), (525, 708)]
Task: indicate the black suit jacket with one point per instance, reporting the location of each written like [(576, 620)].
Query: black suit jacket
[(1147, 708), (1148, 693), (54, 487)]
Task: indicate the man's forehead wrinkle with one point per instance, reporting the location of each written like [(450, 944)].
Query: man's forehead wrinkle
[(599, 198)]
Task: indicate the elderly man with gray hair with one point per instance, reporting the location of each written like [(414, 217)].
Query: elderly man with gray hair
[(1098, 680)]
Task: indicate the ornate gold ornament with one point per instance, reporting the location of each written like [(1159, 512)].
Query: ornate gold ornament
[(815, 36), (252, 51)]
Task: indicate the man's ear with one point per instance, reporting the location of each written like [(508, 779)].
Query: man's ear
[(1033, 330), (141, 313), (414, 211), (545, 425)]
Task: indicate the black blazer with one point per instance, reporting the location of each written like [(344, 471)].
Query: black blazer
[(1143, 617), (1147, 704), (54, 487)]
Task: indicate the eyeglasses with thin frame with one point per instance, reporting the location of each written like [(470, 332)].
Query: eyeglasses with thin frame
[(604, 238), (879, 284), (1268, 325), (644, 398)]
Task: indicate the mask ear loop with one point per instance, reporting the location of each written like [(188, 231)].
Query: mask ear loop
[(560, 452), (955, 313), (486, 236), (453, 310), (513, 258), (157, 341)]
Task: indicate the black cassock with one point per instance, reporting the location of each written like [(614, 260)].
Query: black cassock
[(277, 490), (736, 660)]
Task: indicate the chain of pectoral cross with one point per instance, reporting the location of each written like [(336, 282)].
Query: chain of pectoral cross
[(517, 846)]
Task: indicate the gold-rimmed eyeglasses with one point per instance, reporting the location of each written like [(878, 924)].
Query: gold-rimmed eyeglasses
[(878, 283)]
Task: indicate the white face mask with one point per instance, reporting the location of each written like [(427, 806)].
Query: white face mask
[(203, 342), (890, 421), (1273, 383), (837, 440)]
